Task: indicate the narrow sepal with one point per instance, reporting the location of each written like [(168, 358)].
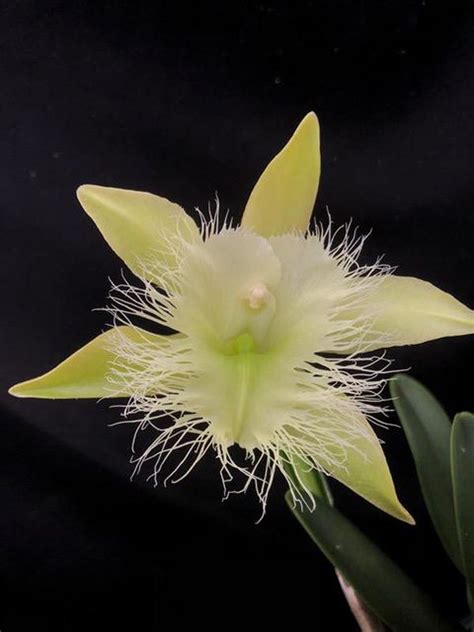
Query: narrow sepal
[(143, 229), (86, 373), (407, 311), (365, 470), (283, 198)]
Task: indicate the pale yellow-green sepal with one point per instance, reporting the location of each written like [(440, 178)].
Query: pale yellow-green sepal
[(365, 470), (410, 311), (283, 198), (143, 229), (86, 373)]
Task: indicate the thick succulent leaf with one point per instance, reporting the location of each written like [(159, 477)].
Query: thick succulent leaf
[(144, 230), (85, 374), (428, 430), (365, 470), (462, 459), (380, 583), (284, 196), (410, 311)]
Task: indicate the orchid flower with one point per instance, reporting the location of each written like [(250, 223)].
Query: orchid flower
[(274, 324)]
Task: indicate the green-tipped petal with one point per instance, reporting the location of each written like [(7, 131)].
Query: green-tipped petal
[(284, 196), (365, 470), (144, 230), (85, 373), (410, 311)]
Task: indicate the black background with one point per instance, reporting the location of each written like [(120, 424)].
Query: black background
[(185, 99)]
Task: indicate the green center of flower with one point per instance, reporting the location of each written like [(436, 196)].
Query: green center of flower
[(244, 343), (240, 369)]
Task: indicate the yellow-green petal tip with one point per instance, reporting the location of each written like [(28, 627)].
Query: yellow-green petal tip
[(19, 390), (138, 226), (282, 201)]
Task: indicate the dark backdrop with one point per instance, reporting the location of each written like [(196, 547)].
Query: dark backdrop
[(185, 99)]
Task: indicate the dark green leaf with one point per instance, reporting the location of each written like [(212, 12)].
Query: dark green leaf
[(428, 430), (383, 587), (462, 459)]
